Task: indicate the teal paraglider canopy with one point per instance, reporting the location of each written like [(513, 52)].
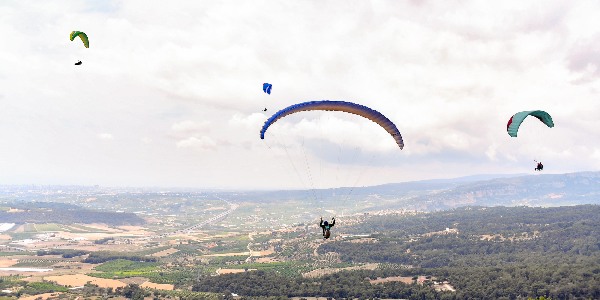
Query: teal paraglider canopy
[(512, 127)]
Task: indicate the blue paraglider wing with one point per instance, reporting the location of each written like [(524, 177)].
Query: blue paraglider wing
[(267, 88), (344, 106)]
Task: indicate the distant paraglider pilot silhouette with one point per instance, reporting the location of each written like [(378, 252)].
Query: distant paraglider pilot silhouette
[(326, 226), (539, 166)]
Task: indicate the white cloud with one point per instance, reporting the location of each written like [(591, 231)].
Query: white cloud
[(254, 120), (105, 136), (191, 126), (203, 143)]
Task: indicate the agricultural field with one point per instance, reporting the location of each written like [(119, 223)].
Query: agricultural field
[(46, 227), (122, 268), (75, 280)]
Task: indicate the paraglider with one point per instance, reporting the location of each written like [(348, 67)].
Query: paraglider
[(82, 36), (539, 166), (331, 105), (84, 39), (326, 226), (512, 127), (267, 88), (344, 106)]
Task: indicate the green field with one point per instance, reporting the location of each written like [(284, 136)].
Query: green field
[(22, 235), (48, 227), (121, 268), (16, 253), (291, 268), (32, 227), (34, 264), (152, 250), (29, 227), (78, 228), (34, 288)]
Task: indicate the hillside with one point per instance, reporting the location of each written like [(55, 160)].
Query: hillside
[(429, 195), (532, 190)]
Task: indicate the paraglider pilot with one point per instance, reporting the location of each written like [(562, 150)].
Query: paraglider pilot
[(539, 166), (326, 226)]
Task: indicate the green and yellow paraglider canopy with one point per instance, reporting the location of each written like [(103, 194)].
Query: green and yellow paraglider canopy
[(82, 36)]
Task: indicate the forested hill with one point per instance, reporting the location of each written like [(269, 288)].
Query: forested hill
[(532, 190), (430, 195), (427, 195), (482, 252)]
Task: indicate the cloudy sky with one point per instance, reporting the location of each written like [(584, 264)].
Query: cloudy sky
[(171, 94)]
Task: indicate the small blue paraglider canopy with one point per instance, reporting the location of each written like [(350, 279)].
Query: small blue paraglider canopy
[(267, 88)]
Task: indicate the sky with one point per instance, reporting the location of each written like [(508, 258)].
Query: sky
[(170, 95)]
